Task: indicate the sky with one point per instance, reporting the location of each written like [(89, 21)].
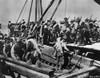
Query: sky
[(10, 9)]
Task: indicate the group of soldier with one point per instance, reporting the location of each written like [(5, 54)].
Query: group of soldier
[(53, 33), (74, 31)]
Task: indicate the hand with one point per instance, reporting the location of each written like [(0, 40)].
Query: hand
[(17, 58)]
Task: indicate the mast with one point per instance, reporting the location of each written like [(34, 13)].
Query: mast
[(39, 21), (29, 14), (43, 16), (41, 7), (38, 9), (35, 10)]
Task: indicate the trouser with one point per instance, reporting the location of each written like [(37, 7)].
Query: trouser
[(88, 41)]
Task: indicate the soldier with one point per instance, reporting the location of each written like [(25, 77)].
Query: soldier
[(24, 32), (7, 47), (45, 34), (87, 32), (0, 26), (51, 37), (66, 22), (9, 24), (11, 28), (82, 37), (1, 35), (62, 52)]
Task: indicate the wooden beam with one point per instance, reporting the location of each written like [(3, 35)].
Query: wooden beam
[(83, 48), (33, 67), (80, 72), (26, 72)]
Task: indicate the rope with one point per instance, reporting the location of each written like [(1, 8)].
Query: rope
[(55, 9), (30, 12), (46, 10), (26, 8), (21, 11), (65, 7)]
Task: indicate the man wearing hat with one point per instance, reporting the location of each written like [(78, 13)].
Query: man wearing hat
[(66, 22), (23, 29)]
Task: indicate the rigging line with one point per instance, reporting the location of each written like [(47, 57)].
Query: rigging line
[(65, 7), (37, 9), (56, 9), (39, 21), (26, 7), (46, 10), (21, 11)]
